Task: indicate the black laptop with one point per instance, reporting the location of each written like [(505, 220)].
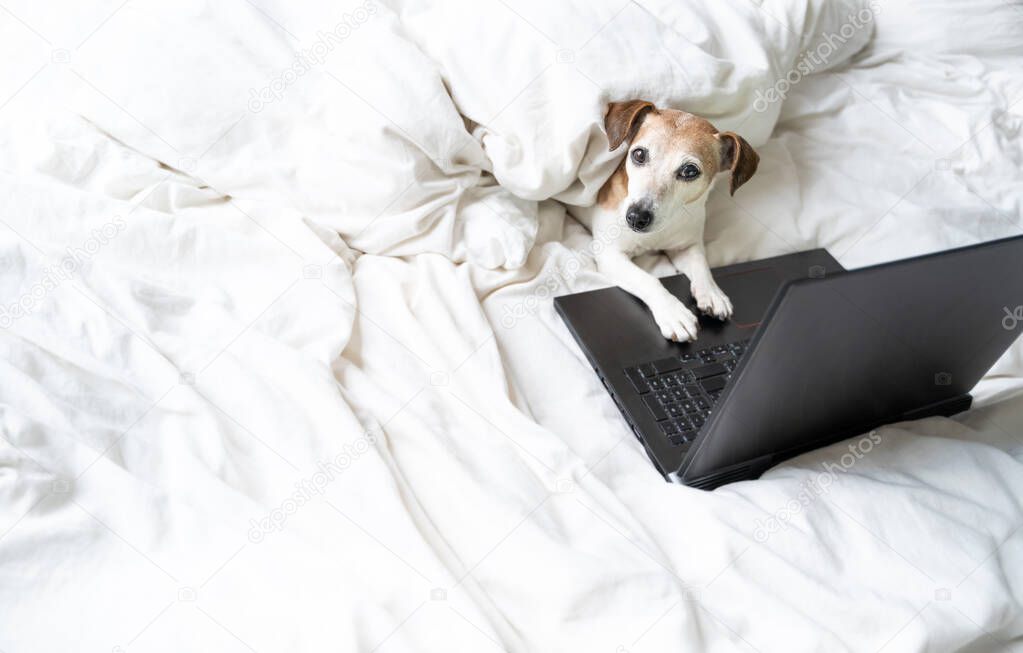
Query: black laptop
[(814, 354)]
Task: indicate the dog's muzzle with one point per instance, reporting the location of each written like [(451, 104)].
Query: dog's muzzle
[(639, 217)]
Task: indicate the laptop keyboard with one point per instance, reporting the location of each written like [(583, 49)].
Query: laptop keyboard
[(681, 391)]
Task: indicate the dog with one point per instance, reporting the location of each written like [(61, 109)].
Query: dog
[(656, 200)]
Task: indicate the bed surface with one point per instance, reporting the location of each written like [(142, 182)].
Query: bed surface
[(281, 368)]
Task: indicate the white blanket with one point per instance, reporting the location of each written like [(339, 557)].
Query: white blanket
[(280, 367)]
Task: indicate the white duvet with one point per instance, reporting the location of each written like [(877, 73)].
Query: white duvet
[(280, 369)]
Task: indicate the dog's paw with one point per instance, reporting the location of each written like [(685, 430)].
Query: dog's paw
[(712, 301), (675, 320)]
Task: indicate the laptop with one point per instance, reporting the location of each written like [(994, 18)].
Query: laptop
[(814, 354)]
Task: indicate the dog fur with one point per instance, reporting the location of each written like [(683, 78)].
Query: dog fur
[(653, 202)]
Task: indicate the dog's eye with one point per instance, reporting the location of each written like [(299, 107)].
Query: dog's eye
[(639, 156), (688, 172)]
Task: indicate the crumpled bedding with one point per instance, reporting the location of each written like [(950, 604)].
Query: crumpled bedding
[(281, 370)]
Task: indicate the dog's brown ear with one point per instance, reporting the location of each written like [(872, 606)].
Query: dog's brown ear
[(623, 119), (738, 156)]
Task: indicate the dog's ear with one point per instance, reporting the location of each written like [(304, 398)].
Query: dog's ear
[(623, 119), (738, 156)]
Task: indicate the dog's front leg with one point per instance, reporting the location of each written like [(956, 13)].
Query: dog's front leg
[(692, 262), (675, 321)]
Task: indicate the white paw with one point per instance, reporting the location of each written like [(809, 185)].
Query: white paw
[(675, 320), (712, 301)]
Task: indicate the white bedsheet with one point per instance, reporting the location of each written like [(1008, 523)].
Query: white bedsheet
[(280, 368)]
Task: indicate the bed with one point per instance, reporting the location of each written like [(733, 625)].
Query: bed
[(281, 369)]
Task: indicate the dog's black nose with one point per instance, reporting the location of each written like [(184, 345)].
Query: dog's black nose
[(639, 218)]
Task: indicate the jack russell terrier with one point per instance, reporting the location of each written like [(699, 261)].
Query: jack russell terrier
[(660, 194)]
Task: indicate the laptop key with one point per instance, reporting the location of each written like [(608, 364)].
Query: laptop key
[(713, 369), (714, 384), (668, 428), (677, 440), (689, 435), (695, 361), (683, 423), (655, 408), (648, 370)]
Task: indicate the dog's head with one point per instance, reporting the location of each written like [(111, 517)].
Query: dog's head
[(673, 157)]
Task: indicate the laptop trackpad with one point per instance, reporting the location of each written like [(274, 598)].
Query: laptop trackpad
[(751, 292)]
